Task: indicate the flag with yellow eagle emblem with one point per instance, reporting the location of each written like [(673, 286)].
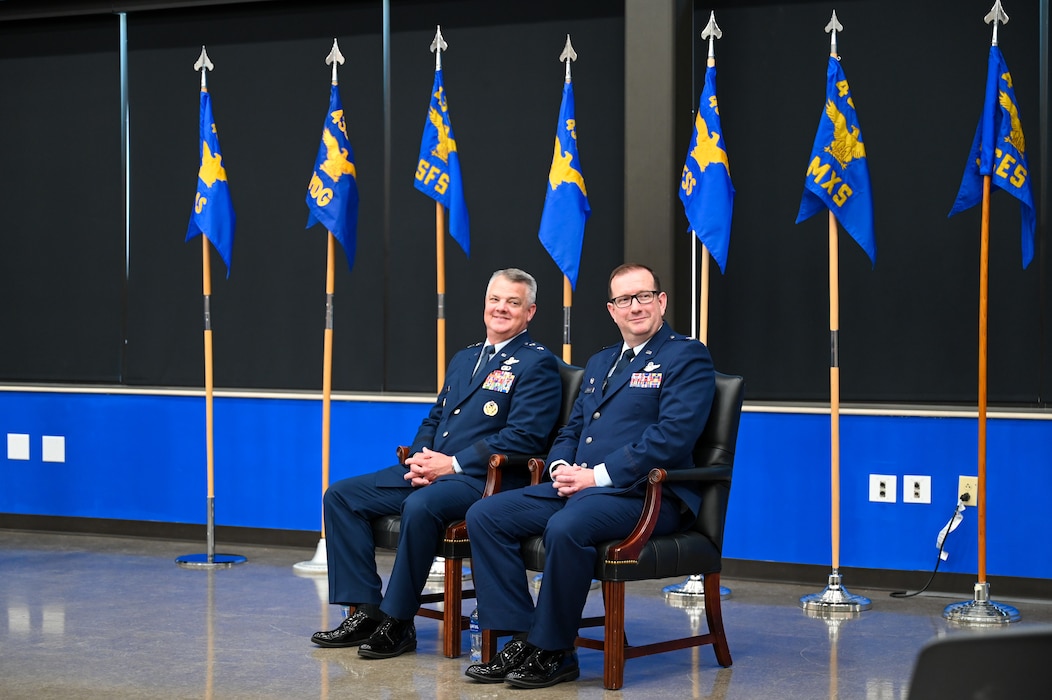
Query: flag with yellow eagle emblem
[(566, 207), (999, 150), (213, 213), (332, 195), (837, 176), (438, 169), (705, 187)]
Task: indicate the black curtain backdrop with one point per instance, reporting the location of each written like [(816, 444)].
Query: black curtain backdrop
[(908, 325)]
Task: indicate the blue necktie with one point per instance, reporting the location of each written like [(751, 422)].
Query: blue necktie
[(487, 353), (620, 366)]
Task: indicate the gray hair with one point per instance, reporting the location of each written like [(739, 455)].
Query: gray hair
[(514, 274)]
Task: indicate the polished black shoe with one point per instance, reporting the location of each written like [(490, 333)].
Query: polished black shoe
[(513, 655), (392, 638), (351, 632), (545, 668)]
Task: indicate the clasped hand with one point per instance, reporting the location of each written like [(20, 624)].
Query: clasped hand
[(569, 479), (426, 466)]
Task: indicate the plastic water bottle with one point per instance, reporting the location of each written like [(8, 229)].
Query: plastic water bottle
[(476, 637)]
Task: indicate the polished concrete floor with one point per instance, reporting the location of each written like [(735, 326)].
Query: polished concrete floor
[(106, 617)]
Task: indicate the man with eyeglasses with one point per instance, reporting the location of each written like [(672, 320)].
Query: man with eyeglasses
[(643, 404), (501, 396)]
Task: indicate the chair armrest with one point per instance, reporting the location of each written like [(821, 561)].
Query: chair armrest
[(538, 470), (402, 451), (629, 548), (717, 472)]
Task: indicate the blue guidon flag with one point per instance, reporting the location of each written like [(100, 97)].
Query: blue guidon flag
[(566, 207), (213, 214), (999, 150), (837, 176), (705, 187), (438, 170), (332, 195)]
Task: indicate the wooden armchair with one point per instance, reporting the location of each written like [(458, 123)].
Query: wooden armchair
[(639, 556), (504, 471)]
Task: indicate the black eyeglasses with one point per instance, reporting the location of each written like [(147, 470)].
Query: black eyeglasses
[(625, 301)]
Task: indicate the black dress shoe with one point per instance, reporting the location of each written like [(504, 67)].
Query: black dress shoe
[(513, 655), (392, 638), (351, 632), (545, 668)]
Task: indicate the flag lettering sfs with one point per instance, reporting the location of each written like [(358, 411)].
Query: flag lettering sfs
[(432, 177), (438, 165)]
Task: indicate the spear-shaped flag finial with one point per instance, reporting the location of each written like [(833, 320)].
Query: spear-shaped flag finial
[(995, 15), (203, 64), (832, 28), (712, 32), (334, 58), (438, 45), (568, 55)]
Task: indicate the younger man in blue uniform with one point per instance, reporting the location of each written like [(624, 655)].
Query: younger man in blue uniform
[(499, 397), (631, 415)]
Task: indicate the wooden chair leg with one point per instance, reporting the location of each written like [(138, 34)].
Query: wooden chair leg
[(489, 645), (452, 600), (714, 617), (614, 635)]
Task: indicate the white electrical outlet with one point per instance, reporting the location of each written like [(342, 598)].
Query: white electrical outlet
[(916, 489), (968, 490), (882, 488)]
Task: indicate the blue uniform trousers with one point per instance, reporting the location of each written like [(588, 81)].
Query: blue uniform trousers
[(350, 506), (572, 527)]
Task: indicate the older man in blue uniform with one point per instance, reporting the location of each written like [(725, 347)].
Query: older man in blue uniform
[(643, 404), (501, 396)]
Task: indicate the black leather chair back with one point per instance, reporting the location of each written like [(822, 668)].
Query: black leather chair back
[(572, 376), (715, 448)]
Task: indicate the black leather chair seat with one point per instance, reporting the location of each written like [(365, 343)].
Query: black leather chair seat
[(672, 555), (454, 545)]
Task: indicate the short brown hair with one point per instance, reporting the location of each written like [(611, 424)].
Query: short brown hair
[(628, 267)]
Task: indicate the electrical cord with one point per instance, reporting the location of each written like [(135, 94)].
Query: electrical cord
[(938, 560)]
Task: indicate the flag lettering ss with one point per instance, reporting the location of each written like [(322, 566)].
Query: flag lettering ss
[(213, 214)]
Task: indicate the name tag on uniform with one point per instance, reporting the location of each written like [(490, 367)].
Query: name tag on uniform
[(499, 380), (645, 380)]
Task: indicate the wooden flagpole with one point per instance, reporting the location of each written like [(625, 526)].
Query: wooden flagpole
[(567, 305), (320, 563), (326, 376), (981, 610), (209, 559), (440, 281), (693, 588), (835, 597), (568, 55), (984, 305), (206, 290), (834, 389)]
